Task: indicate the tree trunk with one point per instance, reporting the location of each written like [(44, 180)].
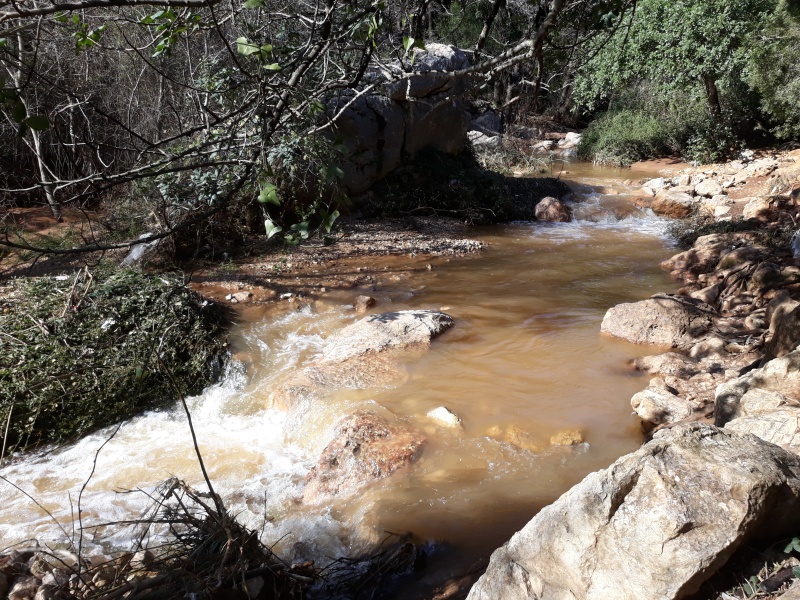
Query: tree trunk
[(37, 148), (498, 4), (712, 94)]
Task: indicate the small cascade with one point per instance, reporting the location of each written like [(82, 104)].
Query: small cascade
[(524, 369)]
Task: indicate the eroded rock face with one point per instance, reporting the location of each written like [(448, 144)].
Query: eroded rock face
[(704, 255), (655, 524), (785, 329), (664, 320), (367, 353), (365, 448), (552, 210)]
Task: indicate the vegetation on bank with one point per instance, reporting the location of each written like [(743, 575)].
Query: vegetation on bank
[(698, 79), (92, 349)]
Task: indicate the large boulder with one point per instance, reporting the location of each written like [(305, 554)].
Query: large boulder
[(781, 375), (382, 129), (655, 524), (367, 353), (708, 188), (664, 320), (365, 448), (552, 210)]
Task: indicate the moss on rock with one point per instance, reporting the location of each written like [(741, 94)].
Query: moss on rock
[(89, 350)]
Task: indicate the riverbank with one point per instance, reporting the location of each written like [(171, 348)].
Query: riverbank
[(527, 290), (707, 509), (498, 439)]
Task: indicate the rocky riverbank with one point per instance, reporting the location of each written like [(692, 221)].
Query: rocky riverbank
[(720, 477), (705, 341)]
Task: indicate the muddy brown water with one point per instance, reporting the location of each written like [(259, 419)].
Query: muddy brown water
[(524, 363)]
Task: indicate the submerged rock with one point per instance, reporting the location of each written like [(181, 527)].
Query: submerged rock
[(655, 524), (367, 353), (365, 448), (363, 303), (664, 320), (552, 210), (445, 416), (568, 437)]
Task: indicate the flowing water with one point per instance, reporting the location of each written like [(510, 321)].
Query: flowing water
[(524, 362)]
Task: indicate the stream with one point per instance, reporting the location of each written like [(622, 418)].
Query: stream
[(524, 362)]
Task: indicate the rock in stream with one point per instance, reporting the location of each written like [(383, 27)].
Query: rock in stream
[(655, 524)]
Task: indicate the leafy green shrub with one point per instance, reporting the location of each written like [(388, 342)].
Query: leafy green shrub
[(92, 350), (647, 127), (626, 136), (773, 70), (709, 141)]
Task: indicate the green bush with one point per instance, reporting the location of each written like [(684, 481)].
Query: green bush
[(626, 136), (647, 128), (92, 350), (773, 70)]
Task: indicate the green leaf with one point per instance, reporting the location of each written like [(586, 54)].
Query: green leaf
[(331, 173), (301, 229), (793, 545), (271, 228), (254, 4), (38, 122), (273, 67), (408, 42), (752, 586), (245, 48), (316, 107), (328, 219), (3, 42), (269, 194)]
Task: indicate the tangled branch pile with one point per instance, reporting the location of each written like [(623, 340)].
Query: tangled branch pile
[(202, 552), (91, 350)]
